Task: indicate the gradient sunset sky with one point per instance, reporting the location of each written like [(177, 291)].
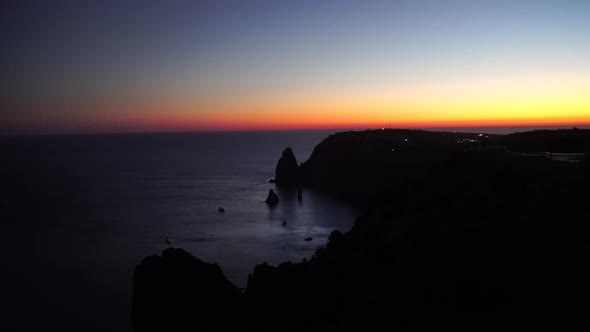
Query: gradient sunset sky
[(116, 66)]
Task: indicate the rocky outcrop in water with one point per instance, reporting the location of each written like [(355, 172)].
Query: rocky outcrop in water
[(287, 170), (272, 198)]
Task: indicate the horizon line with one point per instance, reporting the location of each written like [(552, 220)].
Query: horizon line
[(327, 128)]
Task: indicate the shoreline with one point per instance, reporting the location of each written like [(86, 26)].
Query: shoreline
[(450, 236)]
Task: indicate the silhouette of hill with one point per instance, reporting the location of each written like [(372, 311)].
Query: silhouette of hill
[(364, 168), (176, 292), (458, 234), (560, 141)]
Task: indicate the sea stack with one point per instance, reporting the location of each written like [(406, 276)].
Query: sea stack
[(287, 171), (272, 198)]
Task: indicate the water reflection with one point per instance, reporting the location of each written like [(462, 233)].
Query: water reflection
[(251, 232)]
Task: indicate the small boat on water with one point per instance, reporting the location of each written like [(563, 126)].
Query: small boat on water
[(284, 222), (220, 209), (307, 239)]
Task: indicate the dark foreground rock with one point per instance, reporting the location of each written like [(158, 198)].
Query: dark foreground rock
[(178, 292), (272, 198), (287, 170)]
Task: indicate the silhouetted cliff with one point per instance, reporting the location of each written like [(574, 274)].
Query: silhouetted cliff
[(287, 171), (368, 167), (459, 235)]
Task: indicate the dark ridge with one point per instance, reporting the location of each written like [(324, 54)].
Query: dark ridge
[(367, 167), (178, 292), (556, 141)]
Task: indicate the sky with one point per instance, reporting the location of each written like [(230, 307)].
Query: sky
[(128, 66)]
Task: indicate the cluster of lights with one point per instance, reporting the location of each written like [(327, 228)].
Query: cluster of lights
[(471, 140)]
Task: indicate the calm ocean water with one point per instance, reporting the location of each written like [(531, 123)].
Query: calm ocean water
[(81, 211)]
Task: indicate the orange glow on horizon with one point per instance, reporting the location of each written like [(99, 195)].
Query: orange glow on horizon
[(186, 122), (522, 101), (526, 100), (183, 119)]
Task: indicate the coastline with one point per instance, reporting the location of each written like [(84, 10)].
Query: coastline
[(451, 235)]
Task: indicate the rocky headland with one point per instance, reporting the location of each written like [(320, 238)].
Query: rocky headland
[(461, 232)]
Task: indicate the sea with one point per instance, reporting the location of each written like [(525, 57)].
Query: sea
[(79, 212)]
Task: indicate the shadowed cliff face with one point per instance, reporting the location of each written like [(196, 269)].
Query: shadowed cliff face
[(473, 239)]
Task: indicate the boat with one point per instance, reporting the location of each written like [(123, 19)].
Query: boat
[(220, 209), (307, 239)]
